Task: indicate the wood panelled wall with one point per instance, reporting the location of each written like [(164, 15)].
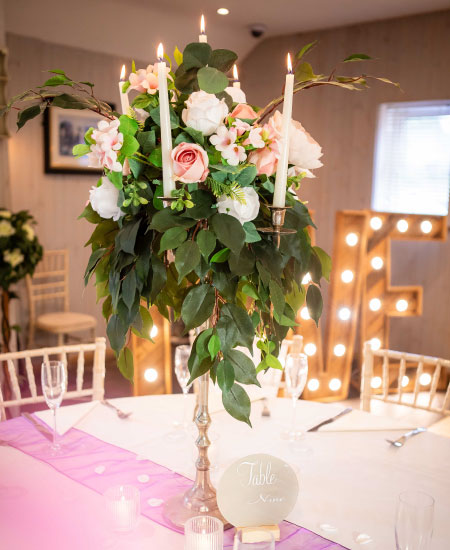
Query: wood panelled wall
[(414, 51), (56, 200)]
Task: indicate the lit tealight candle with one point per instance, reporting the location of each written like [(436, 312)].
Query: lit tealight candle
[(279, 195), (202, 36), (236, 83), (166, 131), (124, 102)]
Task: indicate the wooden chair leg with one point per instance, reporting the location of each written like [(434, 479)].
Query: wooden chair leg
[(31, 336), (60, 339)]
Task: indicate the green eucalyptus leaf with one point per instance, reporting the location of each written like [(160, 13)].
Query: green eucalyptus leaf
[(304, 72), (357, 57), (147, 140), (167, 218), (221, 256), (125, 363), (243, 263), (178, 56), (306, 49), (56, 80), (201, 343), (244, 369), (172, 238), (196, 55), (237, 403), (325, 261), (222, 60), (198, 306), (129, 289), (247, 176), (128, 126), (314, 303), (196, 135), (229, 231), (27, 114), (214, 346), (67, 101), (187, 258), (244, 327), (225, 375), (251, 233), (277, 297), (211, 80), (129, 147), (206, 241), (116, 331), (126, 237), (80, 150)]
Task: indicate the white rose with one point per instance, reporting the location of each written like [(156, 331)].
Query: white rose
[(204, 112), (237, 95), (244, 212), (304, 151), (104, 199), (6, 229), (13, 257), (29, 231)]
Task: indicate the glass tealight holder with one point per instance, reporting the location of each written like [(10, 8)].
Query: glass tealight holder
[(203, 533), (123, 504)]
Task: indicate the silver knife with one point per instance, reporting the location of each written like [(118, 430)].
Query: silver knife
[(330, 420), (39, 427)]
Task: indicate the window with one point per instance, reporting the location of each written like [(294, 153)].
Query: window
[(412, 158)]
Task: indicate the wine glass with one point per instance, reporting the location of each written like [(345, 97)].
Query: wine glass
[(53, 377), (182, 354), (296, 373), (265, 538), (414, 521)]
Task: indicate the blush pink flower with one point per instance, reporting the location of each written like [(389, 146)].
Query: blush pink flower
[(108, 141), (241, 126), (265, 159), (223, 137), (255, 139), (234, 154), (190, 162), (146, 80), (243, 111)]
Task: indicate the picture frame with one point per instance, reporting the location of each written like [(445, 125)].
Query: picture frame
[(64, 128)]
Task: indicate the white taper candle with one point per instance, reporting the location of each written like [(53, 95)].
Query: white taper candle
[(202, 36), (236, 83), (166, 131), (279, 195), (124, 102)]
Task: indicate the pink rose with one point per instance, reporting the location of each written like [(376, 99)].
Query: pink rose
[(266, 160), (190, 162), (243, 111)]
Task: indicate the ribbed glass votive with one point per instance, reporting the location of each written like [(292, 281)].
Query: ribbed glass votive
[(203, 533), (123, 504)]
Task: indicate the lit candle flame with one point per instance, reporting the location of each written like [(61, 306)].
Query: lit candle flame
[(160, 52), (202, 25), (235, 73), (289, 63), (122, 73)]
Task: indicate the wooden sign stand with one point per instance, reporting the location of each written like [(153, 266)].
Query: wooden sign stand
[(253, 534)]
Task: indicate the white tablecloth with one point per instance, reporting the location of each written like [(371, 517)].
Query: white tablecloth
[(348, 479)]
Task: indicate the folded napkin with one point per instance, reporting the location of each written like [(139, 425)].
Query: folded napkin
[(67, 417)]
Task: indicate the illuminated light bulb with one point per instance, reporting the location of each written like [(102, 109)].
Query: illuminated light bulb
[(425, 379), (405, 381), (310, 349), (426, 226), (313, 384), (401, 305), (375, 382), (151, 374), (347, 276), (376, 223), (306, 279), (351, 239), (339, 350), (402, 226), (344, 314), (154, 332), (335, 384), (377, 262), (223, 11), (304, 314), (375, 304), (375, 344)]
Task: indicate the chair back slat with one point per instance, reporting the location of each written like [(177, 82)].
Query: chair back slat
[(13, 378), (30, 376), (80, 370), (421, 394), (96, 392)]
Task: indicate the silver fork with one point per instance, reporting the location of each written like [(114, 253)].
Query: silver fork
[(119, 413), (402, 440)]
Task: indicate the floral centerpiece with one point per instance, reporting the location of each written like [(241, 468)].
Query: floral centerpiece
[(20, 252), (182, 214)]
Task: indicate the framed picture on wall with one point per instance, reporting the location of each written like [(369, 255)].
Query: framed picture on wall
[(64, 128)]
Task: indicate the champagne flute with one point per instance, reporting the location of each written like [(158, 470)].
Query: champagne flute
[(296, 373), (414, 521), (53, 377), (182, 354)]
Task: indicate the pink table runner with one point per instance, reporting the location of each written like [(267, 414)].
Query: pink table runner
[(99, 465)]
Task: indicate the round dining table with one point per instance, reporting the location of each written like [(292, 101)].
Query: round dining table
[(349, 476)]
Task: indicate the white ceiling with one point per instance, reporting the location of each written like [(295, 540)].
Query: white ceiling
[(133, 28)]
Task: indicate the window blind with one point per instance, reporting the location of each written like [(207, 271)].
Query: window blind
[(412, 158)]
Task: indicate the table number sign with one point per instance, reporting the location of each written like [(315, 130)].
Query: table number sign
[(257, 490)]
